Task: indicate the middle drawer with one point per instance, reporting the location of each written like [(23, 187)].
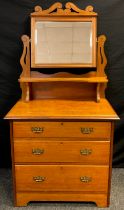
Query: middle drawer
[(94, 152)]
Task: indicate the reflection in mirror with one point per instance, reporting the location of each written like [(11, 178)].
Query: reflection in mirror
[(63, 42)]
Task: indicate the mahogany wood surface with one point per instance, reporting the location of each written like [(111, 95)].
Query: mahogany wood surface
[(69, 7), (61, 178), (63, 90), (110, 164), (101, 57), (63, 140), (76, 79), (84, 152), (62, 110), (62, 85), (62, 129), (60, 139), (25, 58), (22, 198)]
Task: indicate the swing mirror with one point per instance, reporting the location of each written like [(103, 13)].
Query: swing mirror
[(63, 40)]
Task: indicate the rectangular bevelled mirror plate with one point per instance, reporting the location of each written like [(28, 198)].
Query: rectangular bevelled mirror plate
[(63, 44)]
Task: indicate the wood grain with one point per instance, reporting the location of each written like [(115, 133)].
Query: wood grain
[(62, 129), (70, 9), (59, 79), (61, 178), (101, 59), (62, 110), (61, 138), (24, 197), (63, 90), (61, 151), (25, 58)]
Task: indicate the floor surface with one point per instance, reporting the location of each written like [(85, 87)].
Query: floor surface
[(6, 196)]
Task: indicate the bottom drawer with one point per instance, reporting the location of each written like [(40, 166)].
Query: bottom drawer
[(61, 178)]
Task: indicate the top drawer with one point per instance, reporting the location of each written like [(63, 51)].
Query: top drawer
[(62, 129)]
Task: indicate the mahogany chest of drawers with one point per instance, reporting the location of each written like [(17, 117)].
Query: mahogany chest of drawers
[(62, 129), (62, 156)]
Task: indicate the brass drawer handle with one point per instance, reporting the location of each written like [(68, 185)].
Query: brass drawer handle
[(85, 179), (86, 130), (39, 178), (86, 151), (37, 129), (37, 151)]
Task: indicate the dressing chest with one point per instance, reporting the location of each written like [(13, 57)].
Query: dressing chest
[(62, 128)]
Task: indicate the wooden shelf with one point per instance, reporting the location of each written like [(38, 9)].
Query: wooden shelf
[(87, 85), (89, 80), (63, 77)]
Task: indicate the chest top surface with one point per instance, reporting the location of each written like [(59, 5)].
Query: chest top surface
[(50, 109)]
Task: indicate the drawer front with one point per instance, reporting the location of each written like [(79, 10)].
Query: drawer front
[(62, 129), (96, 152), (61, 178)]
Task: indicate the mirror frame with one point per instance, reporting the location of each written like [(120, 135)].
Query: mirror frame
[(71, 13)]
